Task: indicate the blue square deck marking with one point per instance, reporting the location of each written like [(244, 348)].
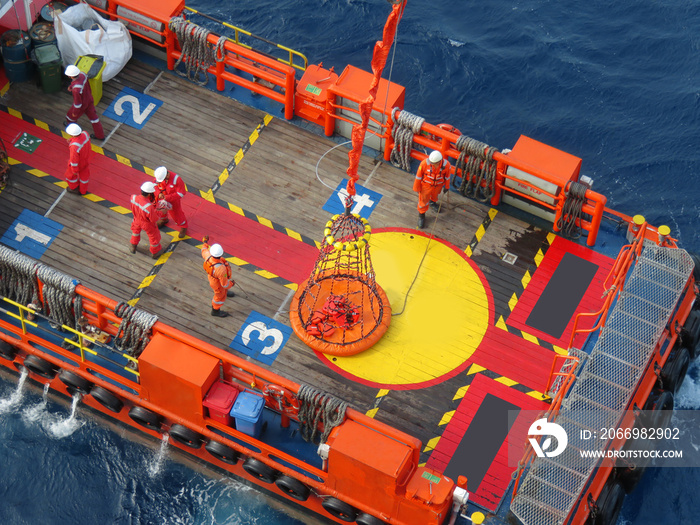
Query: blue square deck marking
[(132, 108), (365, 200), (31, 234), (261, 338)]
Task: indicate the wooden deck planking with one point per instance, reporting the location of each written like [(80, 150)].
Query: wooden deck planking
[(197, 133)]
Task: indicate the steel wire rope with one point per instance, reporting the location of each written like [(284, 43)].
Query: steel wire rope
[(476, 161), (61, 302), (405, 127), (569, 223), (317, 407), (134, 330), (197, 54), (18, 277)]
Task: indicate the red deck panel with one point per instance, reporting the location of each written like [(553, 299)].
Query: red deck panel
[(115, 182), (591, 302), (495, 484)]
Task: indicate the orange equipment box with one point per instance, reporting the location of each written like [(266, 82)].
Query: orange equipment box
[(176, 376), (351, 88), (219, 401), (312, 93)]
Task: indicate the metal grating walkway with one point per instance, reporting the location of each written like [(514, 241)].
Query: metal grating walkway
[(606, 383)]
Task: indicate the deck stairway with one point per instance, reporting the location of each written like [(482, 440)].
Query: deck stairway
[(606, 383)]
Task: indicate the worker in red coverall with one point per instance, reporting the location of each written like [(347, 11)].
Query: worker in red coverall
[(82, 101), (143, 208), (433, 174), (78, 171), (219, 272), (171, 188)]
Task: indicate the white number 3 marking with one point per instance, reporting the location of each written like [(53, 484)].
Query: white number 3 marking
[(263, 333)]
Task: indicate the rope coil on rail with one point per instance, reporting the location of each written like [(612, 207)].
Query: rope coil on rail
[(569, 223), (197, 53), (478, 168), (134, 331), (61, 303), (18, 277), (317, 407), (405, 127)]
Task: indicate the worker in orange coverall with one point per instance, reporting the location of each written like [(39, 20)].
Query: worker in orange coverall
[(143, 208), (433, 173), (78, 171), (219, 272), (82, 101), (171, 188)]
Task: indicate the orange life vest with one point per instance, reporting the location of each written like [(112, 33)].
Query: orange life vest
[(210, 266)]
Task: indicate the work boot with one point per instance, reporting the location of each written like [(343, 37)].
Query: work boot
[(157, 254), (421, 220), (161, 222), (230, 293), (218, 313), (434, 205), (182, 234), (75, 191), (132, 248)]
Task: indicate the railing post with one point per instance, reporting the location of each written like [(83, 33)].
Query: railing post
[(289, 94)]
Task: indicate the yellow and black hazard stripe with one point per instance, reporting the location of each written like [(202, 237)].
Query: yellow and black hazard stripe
[(480, 231), (377, 401), (205, 194), (467, 380)]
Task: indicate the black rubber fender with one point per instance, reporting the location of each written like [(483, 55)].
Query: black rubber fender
[(659, 408), (74, 382), (146, 418), (690, 334), (107, 399), (609, 503), (260, 470), (293, 488), (185, 436), (39, 366), (368, 519), (222, 452), (7, 350), (341, 510), (675, 369)]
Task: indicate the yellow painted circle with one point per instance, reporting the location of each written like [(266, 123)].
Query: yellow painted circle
[(444, 319)]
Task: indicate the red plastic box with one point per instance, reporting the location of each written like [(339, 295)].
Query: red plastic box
[(219, 401)]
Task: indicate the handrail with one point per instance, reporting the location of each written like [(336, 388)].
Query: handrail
[(619, 271), (237, 31)]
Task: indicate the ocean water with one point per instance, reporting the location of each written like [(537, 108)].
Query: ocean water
[(617, 84)]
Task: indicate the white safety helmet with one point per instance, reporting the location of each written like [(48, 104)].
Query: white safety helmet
[(216, 250), (161, 172), (435, 157), (74, 130), (148, 187), (72, 71)]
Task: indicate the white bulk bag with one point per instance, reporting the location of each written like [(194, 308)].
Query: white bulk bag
[(81, 31)]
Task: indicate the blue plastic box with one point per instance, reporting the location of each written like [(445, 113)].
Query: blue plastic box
[(247, 410)]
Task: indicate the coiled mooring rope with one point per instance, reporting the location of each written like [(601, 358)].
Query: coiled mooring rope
[(405, 127), (318, 407), (61, 303), (478, 168), (134, 331), (18, 277), (569, 222), (197, 54)]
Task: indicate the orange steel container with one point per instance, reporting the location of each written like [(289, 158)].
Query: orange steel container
[(312, 93)]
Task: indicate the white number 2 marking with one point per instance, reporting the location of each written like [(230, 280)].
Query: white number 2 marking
[(263, 333), (138, 117)]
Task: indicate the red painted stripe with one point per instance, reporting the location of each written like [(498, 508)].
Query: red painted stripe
[(591, 301), (493, 487), (115, 182)]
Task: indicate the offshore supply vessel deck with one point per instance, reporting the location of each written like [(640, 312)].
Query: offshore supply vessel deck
[(524, 294)]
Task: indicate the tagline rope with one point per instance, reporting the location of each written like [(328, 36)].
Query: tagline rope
[(197, 53)]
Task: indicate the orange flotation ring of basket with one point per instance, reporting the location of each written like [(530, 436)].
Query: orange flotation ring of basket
[(447, 127)]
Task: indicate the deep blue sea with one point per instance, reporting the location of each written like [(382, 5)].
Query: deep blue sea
[(615, 83)]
